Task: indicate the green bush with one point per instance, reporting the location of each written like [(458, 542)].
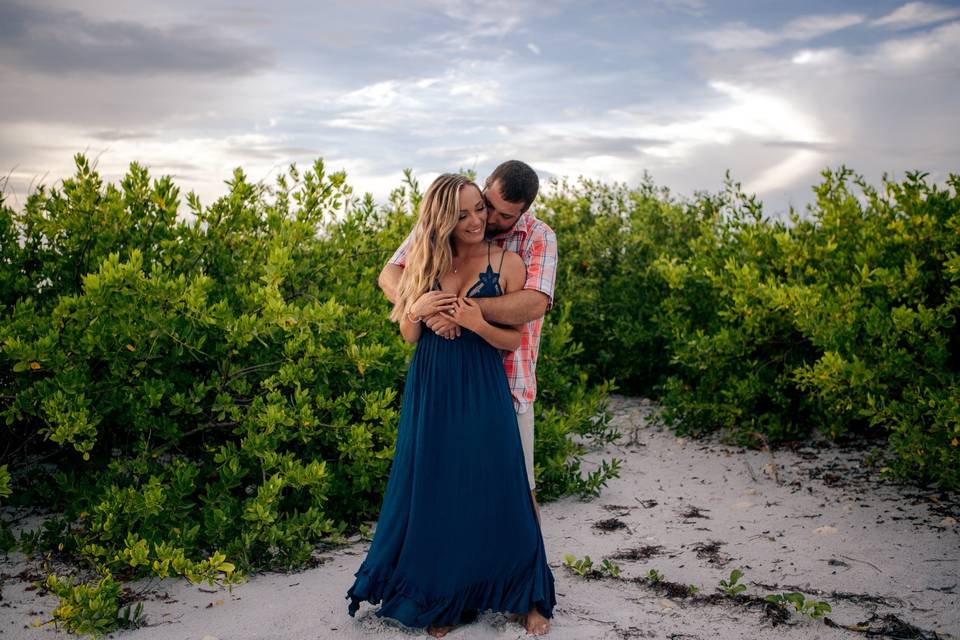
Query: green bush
[(608, 237), (217, 394), (842, 320)]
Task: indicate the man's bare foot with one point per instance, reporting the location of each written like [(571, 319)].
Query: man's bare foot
[(439, 632), (536, 624)]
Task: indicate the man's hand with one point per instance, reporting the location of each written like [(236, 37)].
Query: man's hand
[(443, 325)]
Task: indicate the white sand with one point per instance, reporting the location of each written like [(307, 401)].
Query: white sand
[(777, 523)]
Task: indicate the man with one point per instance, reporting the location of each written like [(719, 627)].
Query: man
[(508, 194)]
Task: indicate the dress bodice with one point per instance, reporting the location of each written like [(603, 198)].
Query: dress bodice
[(487, 285)]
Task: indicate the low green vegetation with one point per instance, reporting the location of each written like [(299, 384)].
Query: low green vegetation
[(730, 586), (581, 566), (812, 608)]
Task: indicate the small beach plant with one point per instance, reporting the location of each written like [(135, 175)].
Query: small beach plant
[(580, 567), (812, 608), (610, 568), (730, 586)]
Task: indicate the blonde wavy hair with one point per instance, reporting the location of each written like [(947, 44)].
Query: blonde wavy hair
[(430, 252)]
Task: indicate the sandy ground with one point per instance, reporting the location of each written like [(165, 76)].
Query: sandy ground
[(813, 519)]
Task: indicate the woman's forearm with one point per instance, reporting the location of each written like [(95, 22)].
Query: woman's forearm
[(409, 330)]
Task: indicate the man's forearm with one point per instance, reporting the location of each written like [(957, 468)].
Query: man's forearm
[(514, 308), (388, 281)]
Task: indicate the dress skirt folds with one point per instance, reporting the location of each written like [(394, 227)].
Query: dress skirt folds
[(457, 532)]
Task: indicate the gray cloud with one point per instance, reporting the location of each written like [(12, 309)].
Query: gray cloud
[(64, 41), (737, 35), (619, 88), (916, 14), (556, 146), (113, 134), (800, 144), (691, 7)]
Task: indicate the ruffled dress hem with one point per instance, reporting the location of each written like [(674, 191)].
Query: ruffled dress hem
[(405, 602)]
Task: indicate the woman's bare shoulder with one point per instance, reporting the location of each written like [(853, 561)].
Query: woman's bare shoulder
[(513, 271), (512, 260)]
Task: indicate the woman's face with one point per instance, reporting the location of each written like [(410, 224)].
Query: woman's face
[(472, 217)]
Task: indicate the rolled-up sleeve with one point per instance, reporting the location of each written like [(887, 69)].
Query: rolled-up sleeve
[(400, 255), (541, 261)]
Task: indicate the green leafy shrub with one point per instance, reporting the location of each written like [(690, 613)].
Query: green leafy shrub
[(87, 608), (218, 394), (843, 320), (215, 394), (607, 237)]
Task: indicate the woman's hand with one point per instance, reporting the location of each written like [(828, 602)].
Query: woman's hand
[(467, 313), (433, 302)]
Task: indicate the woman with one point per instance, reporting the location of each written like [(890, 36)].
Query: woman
[(457, 532)]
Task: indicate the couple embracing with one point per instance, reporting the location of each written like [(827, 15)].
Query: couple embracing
[(459, 528)]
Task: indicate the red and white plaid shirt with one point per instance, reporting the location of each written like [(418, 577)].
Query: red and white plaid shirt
[(536, 244)]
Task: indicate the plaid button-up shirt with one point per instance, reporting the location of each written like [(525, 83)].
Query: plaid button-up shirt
[(536, 244)]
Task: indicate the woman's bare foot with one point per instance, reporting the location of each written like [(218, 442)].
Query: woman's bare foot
[(439, 632), (536, 624)]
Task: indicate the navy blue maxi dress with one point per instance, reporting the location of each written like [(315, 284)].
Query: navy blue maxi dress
[(457, 532)]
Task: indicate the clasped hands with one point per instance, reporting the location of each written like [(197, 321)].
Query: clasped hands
[(445, 313)]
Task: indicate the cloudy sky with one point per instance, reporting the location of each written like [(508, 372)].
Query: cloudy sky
[(684, 89)]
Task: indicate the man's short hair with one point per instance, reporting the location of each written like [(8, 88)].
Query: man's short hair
[(518, 182)]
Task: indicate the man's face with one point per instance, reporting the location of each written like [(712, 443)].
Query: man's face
[(501, 215)]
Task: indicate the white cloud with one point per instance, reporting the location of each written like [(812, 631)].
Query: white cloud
[(692, 7), (426, 102), (916, 14), (796, 167), (200, 163), (882, 108), (940, 44), (383, 95), (478, 23), (768, 141), (808, 27), (817, 56), (737, 35), (441, 84)]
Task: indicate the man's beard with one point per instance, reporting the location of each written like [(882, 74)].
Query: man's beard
[(489, 233)]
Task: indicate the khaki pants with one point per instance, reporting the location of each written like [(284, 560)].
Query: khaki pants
[(525, 423)]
